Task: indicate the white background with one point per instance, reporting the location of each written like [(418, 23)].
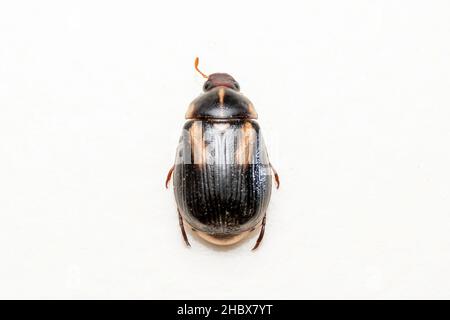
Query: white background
[(353, 99)]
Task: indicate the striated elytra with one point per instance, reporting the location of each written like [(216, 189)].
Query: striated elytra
[(222, 176)]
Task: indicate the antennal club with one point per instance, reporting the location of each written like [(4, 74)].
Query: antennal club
[(198, 70)]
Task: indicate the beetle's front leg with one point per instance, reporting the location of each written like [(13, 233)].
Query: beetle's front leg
[(275, 174), (169, 176)]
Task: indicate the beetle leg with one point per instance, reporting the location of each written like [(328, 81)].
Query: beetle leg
[(277, 178), (183, 232), (169, 176), (261, 233)]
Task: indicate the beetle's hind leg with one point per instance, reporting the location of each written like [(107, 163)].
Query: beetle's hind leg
[(275, 174), (261, 233), (183, 231)]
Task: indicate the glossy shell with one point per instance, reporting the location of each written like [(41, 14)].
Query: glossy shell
[(222, 176), (221, 103)]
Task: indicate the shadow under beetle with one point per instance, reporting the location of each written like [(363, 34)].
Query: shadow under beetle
[(222, 176)]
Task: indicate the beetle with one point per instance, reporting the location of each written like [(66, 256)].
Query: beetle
[(222, 176)]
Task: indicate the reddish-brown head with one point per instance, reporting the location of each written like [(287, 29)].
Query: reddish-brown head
[(218, 80)]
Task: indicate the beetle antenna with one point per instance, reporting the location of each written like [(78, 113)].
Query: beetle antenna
[(198, 70)]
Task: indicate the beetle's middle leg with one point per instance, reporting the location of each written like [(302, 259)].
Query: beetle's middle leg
[(277, 178), (261, 233), (183, 232), (169, 176)]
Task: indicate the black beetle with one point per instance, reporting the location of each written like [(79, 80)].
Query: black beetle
[(222, 175)]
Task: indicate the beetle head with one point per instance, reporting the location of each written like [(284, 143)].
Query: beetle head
[(217, 80), (220, 79)]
